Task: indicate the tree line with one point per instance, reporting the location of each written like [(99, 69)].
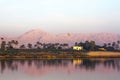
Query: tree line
[(13, 45), (92, 46)]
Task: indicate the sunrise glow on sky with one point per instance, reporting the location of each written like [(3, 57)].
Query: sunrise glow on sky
[(60, 16)]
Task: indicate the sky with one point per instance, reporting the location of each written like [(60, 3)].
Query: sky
[(59, 16)]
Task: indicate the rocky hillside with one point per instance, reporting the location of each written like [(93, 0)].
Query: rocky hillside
[(44, 37)]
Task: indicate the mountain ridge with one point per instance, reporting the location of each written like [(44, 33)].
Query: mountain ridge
[(42, 36)]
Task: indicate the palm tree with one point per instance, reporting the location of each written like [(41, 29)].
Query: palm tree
[(9, 43), (2, 43), (118, 45), (118, 42), (22, 46), (57, 45), (114, 44), (110, 48), (12, 43), (3, 46), (2, 38), (16, 44), (92, 45), (38, 44), (44, 46), (105, 45), (76, 43), (87, 45), (29, 45), (109, 44), (65, 45), (35, 46)]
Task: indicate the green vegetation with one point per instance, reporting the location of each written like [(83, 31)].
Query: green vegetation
[(11, 49), (92, 46)]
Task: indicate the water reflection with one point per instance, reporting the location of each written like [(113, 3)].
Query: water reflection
[(88, 64), (46, 65)]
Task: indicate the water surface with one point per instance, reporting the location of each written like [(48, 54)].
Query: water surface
[(60, 69)]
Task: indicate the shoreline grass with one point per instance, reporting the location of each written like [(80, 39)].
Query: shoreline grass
[(62, 55)]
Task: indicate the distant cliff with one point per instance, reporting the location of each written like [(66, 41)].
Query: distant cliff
[(44, 37)]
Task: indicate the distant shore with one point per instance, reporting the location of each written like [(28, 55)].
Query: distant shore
[(63, 55), (103, 54)]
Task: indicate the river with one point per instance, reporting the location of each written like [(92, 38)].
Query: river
[(60, 69)]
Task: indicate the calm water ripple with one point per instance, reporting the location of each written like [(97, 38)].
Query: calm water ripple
[(60, 69)]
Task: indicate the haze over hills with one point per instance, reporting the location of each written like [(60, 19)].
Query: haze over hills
[(44, 37)]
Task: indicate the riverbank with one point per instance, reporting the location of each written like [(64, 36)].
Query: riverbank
[(62, 55), (103, 54)]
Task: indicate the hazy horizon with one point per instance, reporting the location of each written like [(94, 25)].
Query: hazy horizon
[(63, 16), (12, 34)]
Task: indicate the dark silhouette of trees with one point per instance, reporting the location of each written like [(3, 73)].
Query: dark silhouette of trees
[(118, 42), (113, 44), (2, 38), (92, 45), (29, 45), (76, 43), (109, 44), (3, 46), (22, 46), (87, 45), (8, 47), (105, 45), (12, 46), (38, 45)]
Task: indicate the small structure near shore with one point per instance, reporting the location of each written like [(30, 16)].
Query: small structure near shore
[(78, 48), (101, 49)]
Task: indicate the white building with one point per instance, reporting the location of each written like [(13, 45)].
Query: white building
[(78, 48)]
